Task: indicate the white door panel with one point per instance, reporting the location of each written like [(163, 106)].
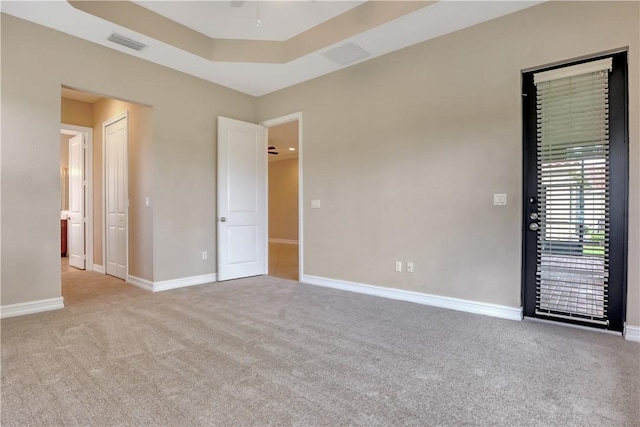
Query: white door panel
[(116, 198), (242, 242), (242, 202), (75, 226), (241, 163)]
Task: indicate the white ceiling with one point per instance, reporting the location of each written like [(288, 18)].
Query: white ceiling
[(279, 20), (257, 78)]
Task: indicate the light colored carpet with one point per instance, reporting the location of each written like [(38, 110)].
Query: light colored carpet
[(266, 351)]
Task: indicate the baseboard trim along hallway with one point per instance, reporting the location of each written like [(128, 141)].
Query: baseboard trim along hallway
[(31, 307), (141, 283), (284, 241), (494, 310), (632, 333), (166, 285)]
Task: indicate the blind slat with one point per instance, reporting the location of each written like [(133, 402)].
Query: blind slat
[(573, 190)]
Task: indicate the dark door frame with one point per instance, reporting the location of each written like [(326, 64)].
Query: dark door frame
[(619, 183)]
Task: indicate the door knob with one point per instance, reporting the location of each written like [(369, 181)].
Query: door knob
[(534, 226), (222, 219), (533, 216)]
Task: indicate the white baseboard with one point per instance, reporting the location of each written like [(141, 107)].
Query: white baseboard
[(98, 269), (632, 333), (501, 311), (285, 241), (166, 285), (141, 283), (31, 307)]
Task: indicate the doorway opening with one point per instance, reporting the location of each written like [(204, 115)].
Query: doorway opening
[(76, 197), (284, 197), (575, 192), (90, 112), (242, 198)]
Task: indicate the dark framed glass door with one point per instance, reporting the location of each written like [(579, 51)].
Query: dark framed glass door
[(576, 192)]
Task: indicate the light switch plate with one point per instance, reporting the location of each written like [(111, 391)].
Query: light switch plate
[(315, 204), (499, 199)]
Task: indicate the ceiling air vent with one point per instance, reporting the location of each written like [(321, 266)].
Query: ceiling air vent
[(346, 54), (126, 41)]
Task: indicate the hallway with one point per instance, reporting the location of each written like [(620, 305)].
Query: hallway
[(81, 286), (283, 260)]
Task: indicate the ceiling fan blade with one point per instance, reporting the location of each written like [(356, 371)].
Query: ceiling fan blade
[(271, 148), (275, 153)]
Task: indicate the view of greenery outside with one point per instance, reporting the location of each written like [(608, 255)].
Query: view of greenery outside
[(595, 243)]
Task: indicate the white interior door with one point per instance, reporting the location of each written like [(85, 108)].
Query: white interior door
[(116, 141), (75, 229), (242, 201)]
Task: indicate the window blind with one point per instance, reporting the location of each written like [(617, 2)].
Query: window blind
[(573, 191)]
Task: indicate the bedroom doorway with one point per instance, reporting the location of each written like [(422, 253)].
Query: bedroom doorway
[(76, 195), (284, 197)]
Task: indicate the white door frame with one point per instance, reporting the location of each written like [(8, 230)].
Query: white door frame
[(67, 129), (280, 121), (124, 115)]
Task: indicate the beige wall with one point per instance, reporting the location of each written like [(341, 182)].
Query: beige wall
[(76, 112), (140, 174), (182, 148), (64, 150), (405, 152), (283, 199), (64, 163)]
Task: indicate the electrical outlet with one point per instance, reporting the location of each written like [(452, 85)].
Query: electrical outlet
[(499, 199), (204, 255), (399, 266), (409, 267)]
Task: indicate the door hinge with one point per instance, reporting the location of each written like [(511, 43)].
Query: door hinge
[(84, 220), (84, 183), (84, 145)]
